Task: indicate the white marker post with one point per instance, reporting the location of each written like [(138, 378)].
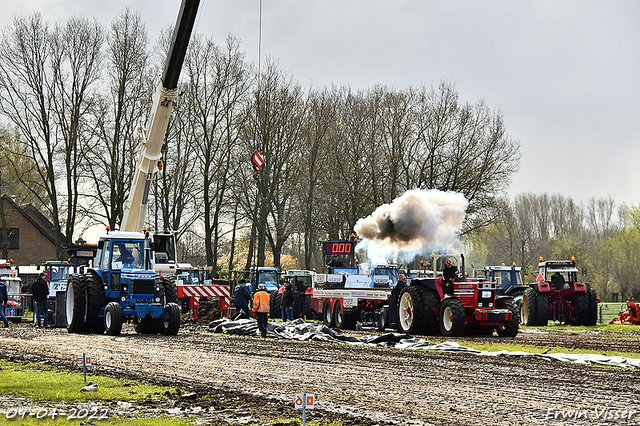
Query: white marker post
[(304, 401), (84, 361)]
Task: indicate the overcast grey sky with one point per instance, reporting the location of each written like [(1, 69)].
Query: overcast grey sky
[(565, 74)]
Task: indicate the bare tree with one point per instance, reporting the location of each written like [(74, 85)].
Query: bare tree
[(217, 89), (46, 94), (110, 161), (276, 131), (320, 124)]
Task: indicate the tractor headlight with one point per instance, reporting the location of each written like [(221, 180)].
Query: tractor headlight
[(157, 300), (486, 295), (123, 298)]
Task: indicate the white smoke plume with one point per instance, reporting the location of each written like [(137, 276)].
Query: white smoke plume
[(418, 222)]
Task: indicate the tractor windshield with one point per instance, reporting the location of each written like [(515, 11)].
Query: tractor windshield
[(59, 272), (268, 277), (506, 279), (128, 254), (562, 275), (392, 273)]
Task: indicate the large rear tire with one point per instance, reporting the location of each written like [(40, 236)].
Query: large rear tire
[(167, 290), (452, 319), (542, 309), (417, 311), (171, 321), (96, 300), (582, 312), (275, 305), (113, 319), (528, 311), (308, 312), (327, 315), (76, 304), (508, 328), (593, 307)]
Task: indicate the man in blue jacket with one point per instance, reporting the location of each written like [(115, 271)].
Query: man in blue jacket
[(40, 291), (241, 297), (4, 298)]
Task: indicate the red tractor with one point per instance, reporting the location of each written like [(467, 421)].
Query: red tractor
[(431, 305), (557, 295)]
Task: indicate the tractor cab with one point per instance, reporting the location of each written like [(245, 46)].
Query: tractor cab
[(506, 277), (120, 262), (269, 276), (559, 273)]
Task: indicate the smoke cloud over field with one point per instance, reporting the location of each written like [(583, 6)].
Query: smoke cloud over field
[(418, 222)]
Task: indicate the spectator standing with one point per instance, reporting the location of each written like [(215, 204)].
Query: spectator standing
[(4, 298), (261, 308), (287, 302), (40, 291), (241, 297)]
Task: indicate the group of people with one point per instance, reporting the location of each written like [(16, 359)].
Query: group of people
[(260, 306), (40, 294)]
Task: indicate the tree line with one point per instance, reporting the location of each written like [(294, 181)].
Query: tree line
[(75, 94)]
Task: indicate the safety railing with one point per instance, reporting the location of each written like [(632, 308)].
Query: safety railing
[(610, 310)]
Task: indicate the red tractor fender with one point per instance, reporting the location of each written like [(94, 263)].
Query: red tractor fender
[(579, 287), (543, 287)]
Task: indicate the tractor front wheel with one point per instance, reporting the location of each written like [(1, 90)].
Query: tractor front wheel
[(113, 319), (171, 322), (452, 320)]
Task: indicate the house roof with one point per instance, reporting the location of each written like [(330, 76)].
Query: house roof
[(36, 218)]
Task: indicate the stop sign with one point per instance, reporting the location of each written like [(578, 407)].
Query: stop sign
[(257, 159)]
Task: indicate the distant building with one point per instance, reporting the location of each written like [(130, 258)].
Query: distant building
[(31, 235)]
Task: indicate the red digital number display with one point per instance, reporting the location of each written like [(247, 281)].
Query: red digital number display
[(338, 247)]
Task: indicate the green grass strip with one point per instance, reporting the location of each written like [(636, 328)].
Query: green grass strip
[(41, 382)]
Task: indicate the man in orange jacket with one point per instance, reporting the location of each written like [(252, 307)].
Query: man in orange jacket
[(261, 308)]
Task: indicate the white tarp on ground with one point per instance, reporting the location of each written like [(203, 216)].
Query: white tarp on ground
[(301, 330)]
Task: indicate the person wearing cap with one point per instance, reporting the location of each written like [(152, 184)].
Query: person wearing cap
[(40, 291), (261, 308), (241, 297), (287, 302), (449, 273)]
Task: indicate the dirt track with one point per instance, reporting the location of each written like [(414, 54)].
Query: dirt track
[(359, 385)]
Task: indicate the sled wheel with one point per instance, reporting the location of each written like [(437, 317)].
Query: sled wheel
[(327, 317)]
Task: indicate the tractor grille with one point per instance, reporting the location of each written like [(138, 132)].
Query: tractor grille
[(143, 287), (485, 298)]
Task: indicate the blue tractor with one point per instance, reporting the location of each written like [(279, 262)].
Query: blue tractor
[(122, 286)]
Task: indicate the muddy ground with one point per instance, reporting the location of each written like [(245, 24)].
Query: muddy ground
[(249, 380)]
